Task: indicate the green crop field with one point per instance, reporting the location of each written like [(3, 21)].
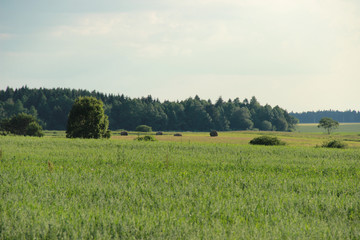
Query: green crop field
[(57, 188)]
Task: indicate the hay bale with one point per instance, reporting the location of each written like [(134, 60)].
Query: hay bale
[(178, 135), (124, 133), (213, 133), (159, 133)]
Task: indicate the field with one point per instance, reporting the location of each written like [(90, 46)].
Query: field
[(190, 187), (306, 135), (292, 139), (344, 127)]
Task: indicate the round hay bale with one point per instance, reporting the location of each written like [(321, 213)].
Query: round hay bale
[(159, 133), (178, 135), (213, 133), (124, 133)]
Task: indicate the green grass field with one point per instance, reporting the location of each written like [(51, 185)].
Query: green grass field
[(57, 188)]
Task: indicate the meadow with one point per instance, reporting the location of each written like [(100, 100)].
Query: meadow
[(190, 187), (305, 135)]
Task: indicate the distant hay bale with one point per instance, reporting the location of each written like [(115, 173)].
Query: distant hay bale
[(178, 135), (213, 133), (124, 133), (159, 133)]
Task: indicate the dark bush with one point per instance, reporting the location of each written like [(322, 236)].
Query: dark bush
[(143, 128), (21, 124), (213, 133), (146, 138), (159, 133), (267, 140), (124, 133), (34, 129), (178, 135), (334, 144)]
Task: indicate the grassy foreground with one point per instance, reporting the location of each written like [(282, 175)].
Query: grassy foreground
[(70, 189)]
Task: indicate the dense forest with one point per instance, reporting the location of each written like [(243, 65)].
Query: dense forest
[(52, 106), (314, 117)]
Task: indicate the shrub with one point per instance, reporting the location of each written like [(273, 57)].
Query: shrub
[(143, 128), (34, 129), (213, 133), (124, 133), (21, 124), (334, 144), (178, 135), (267, 140), (107, 134), (159, 133), (146, 138)]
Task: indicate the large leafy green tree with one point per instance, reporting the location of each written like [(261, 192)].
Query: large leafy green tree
[(196, 116), (328, 124), (241, 119), (87, 119)]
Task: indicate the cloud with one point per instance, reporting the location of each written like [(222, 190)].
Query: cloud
[(234, 48), (86, 26), (149, 34), (5, 36)]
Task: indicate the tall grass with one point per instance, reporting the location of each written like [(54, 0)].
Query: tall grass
[(71, 189)]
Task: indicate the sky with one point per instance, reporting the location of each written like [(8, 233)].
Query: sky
[(303, 55)]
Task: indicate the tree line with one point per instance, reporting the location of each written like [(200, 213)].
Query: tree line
[(314, 117), (52, 106)]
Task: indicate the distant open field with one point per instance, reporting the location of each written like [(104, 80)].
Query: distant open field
[(303, 138), (292, 139), (343, 128), (306, 135), (197, 188)]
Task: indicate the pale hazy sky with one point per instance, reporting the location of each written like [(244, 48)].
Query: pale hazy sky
[(300, 54)]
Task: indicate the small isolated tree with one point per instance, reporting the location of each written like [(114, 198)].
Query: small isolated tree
[(22, 124), (328, 124), (143, 128), (87, 119)]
